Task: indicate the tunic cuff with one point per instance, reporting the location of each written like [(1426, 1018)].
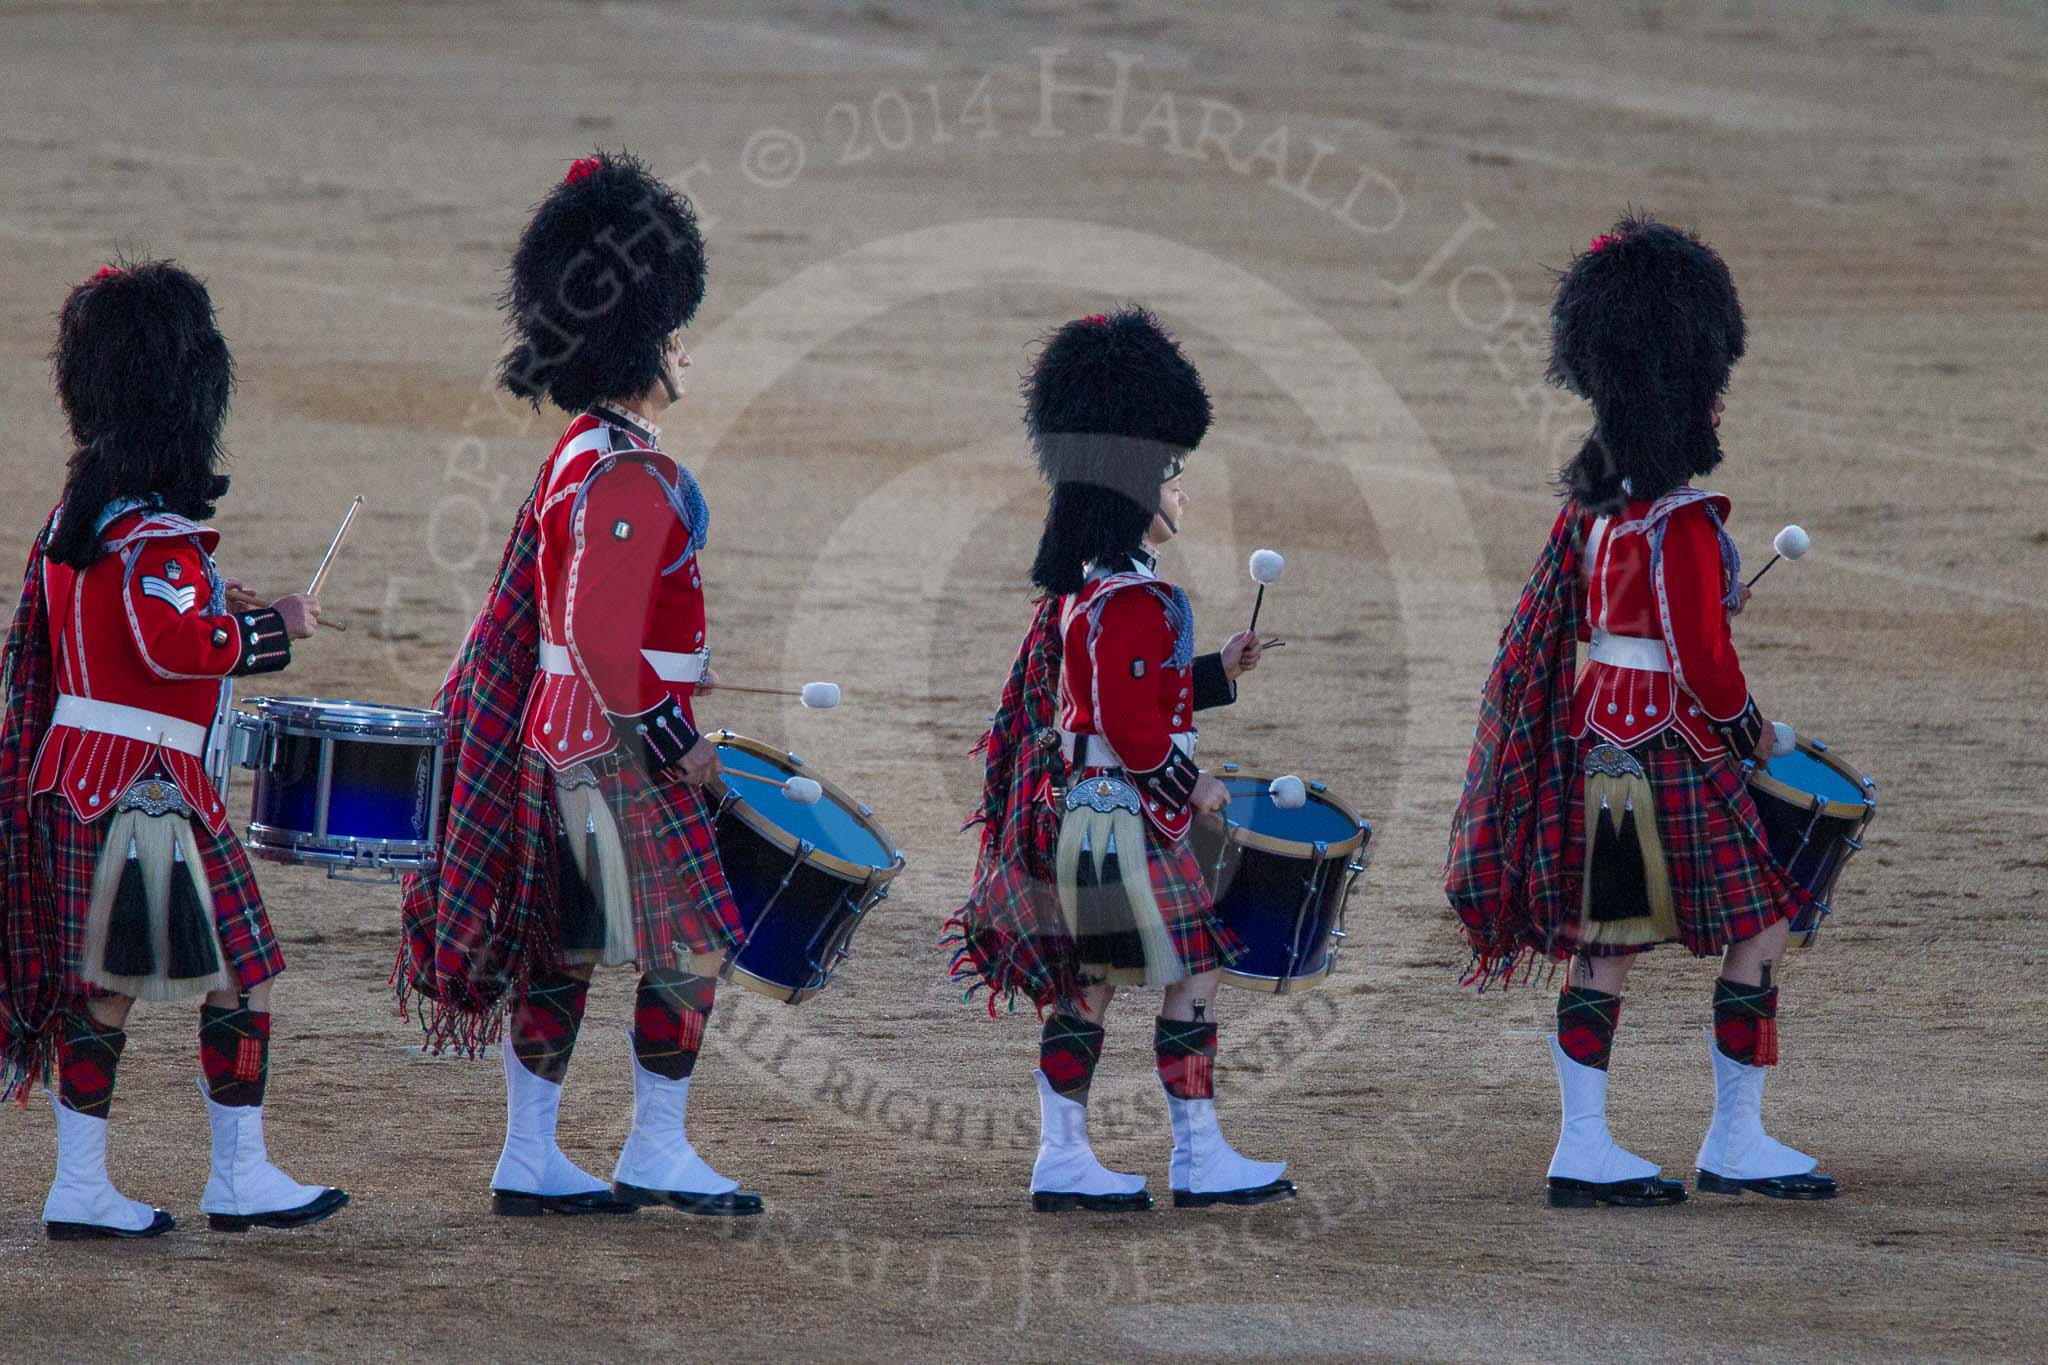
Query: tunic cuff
[(262, 644), (1212, 686), (660, 736), (1172, 783), (1742, 733)]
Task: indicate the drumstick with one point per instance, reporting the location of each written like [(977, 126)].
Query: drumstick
[(334, 547)]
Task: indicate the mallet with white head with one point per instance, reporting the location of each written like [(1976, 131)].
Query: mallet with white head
[(1288, 792), (1266, 567), (816, 696), (1790, 543), (803, 790)]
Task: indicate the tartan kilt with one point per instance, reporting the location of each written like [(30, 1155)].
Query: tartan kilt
[(1725, 885), (1012, 936), (683, 908), (73, 847)]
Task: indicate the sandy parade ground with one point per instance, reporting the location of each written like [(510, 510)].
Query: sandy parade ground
[(1349, 212)]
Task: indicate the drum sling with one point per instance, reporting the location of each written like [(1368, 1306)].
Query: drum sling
[(150, 932), (1626, 899), (1105, 887)]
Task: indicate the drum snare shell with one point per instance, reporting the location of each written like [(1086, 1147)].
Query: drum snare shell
[(258, 743)]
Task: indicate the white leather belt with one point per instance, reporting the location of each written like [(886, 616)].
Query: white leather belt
[(1100, 755), (1627, 651), (130, 722), (668, 664)]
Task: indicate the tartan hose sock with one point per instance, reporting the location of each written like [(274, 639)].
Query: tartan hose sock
[(1068, 1050), (1585, 1024), (1185, 1052), (669, 1012), (88, 1054), (1746, 1022), (234, 1053), (544, 1024)]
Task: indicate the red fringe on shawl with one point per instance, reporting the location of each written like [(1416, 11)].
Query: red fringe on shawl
[(478, 924), (1008, 935), (1505, 873), (32, 996)]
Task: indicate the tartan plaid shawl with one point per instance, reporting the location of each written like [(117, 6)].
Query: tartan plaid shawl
[(1010, 936), (474, 925), (1507, 873), (32, 964)]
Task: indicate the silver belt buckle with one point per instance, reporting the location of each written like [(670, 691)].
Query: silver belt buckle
[(1104, 794)]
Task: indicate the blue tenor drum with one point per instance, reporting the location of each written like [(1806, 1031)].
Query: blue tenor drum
[(347, 785), (804, 874), (1814, 807), (1281, 879)]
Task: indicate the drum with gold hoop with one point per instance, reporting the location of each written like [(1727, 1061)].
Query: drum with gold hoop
[(804, 871), (1281, 877)]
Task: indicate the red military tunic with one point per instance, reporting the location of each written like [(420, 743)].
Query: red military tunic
[(621, 598), (1660, 654), (142, 640), (1124, 703)]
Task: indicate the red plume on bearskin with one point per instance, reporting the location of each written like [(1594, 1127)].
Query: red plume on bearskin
[(1111, 406), (611, 264), (145, 377), (1647, 327)]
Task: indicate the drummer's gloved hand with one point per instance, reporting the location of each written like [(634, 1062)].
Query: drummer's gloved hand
[(659, 737), (1744, 735), (1172, 784)]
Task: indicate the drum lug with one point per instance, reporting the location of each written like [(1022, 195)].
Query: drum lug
[(795, 760), (1853, 845), (1318, 786)]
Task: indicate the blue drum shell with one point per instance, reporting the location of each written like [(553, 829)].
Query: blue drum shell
[(380, 791)]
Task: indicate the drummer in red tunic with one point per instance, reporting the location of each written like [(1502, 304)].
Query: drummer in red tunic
[(123, 879), (1605, 808), (1087, 881), (579, 828)]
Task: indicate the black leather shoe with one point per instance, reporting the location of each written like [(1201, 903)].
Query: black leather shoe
[(518, 1204), (1813, 1185), (323, 1205), (736, 1204), (1262, 1194), (1066, 1201), (93, 1232), (1629, 1194)]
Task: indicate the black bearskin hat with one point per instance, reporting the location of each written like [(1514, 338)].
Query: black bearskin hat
[(610, 266), (145, 376), (1113, 409), (1646, 327)]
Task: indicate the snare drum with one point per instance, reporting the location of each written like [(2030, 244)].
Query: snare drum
[(1815, 807), (342, 784), (804, 875), (1281, 879)]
